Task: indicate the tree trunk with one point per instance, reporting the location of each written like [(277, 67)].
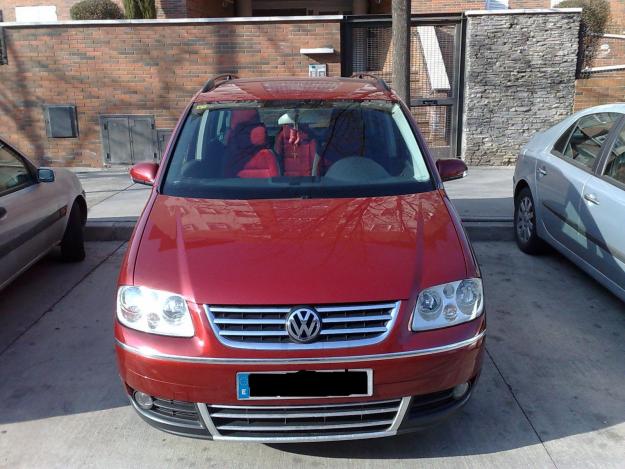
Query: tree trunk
[(401, 49)]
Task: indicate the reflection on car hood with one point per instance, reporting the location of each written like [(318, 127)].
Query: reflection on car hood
[(298, 251)]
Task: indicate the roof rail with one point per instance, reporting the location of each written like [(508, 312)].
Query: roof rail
[(364, 75), (214, 82)]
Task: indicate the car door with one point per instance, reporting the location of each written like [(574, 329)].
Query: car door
[(24, 226), (564, 170), (603, 212)]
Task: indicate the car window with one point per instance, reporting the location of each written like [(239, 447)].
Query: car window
[(13, 173), (562, 143), (584, 143), (286, 149), (615, 167)]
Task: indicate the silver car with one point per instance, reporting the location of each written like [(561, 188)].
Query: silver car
[(569, 191), (39, 209)]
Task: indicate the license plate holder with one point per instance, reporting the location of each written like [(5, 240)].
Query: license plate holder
[(304, 384)]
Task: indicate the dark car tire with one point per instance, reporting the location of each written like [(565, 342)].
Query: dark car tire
[(525, 223), (73, 242)]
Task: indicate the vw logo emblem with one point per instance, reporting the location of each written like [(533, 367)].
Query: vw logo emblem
[(303, 324)]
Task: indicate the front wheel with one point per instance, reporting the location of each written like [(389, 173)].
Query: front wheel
[(525, 223), (73, 242)]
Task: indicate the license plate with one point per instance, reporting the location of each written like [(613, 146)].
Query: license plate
[(305, 384)]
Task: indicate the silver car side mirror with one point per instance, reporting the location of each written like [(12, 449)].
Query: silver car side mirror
[(45, 175)]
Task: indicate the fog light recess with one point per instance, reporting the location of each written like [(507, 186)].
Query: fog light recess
[(460, 390), (143, 400)]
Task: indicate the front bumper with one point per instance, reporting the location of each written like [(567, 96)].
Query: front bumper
[(315, 423), (411, 390)]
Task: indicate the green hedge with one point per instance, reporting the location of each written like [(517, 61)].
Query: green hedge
[(96, 10), (140, 9), (595, 17)]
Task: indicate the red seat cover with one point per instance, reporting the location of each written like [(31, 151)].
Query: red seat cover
[(262, 163), (297, 151)]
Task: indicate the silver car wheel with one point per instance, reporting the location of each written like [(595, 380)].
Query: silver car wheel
[(525, 219)]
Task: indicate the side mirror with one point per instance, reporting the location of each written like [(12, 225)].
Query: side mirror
[(144, 173), (451, 168), (45, 175)]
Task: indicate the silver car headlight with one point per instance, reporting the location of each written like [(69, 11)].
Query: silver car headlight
[(448, 304), (154, 311)]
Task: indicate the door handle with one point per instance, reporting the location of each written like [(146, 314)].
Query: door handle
[(592, 198), (541, 172), (3, 213)]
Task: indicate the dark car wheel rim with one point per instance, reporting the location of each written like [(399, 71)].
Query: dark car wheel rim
[(525, 219)]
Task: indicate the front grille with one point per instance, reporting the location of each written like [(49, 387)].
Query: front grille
[(304, 422), (265, 327), (175, 410), (177, 416)]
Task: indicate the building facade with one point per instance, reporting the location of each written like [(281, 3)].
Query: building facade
[(53, 10)]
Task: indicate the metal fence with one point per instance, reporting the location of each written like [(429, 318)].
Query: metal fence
[(435, 71)]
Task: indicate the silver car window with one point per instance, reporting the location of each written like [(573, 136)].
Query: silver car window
[(13, 173), (588, 136), (615, 167)]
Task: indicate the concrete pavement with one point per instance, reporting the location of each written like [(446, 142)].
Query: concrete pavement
[(483, 200), (550, 395)]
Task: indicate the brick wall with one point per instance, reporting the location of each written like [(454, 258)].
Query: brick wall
[(600, 88), (208, 9), (604, 87), (193, 9), (519, 79), (149, 69)]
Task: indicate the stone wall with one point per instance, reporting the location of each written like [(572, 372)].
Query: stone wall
[(519, 79)]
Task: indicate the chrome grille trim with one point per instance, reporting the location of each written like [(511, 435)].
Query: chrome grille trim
[(332, 422), (155, 355), (342, 326)]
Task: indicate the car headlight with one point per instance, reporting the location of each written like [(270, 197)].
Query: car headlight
[(154, 311), (448, 304)]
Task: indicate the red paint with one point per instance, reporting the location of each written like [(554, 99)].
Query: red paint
[(144, 173), (450, 169), (298, 252)]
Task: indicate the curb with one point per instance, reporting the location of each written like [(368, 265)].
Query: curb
[(489, 231), (483, 230), (108, 230)]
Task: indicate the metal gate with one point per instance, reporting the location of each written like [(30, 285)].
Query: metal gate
[(436, 62)]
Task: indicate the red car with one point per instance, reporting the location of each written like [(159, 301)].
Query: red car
[(298, 273)]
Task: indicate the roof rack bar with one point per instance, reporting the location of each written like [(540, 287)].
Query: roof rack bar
[(214, 82), (378, 80)]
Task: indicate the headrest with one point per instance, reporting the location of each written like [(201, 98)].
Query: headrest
[(258, 136), (240, 116)]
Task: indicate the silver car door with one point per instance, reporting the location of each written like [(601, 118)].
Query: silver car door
[(25, 215), (563, 171), (603, 215)]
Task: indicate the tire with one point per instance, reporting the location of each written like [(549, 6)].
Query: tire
[(525, 223), (73, 242)]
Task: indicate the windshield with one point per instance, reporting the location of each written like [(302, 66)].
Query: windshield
[(296, 149)]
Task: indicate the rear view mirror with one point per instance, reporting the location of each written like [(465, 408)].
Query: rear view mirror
[(144, 173), (45, 175), (451, 168)]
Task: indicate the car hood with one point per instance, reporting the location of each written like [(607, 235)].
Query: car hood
[(298, 251)]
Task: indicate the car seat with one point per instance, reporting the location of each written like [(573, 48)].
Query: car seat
[(249, 157), (296, 150), (345, 138)]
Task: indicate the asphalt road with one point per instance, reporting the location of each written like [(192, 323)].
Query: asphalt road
[(551, 394)]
